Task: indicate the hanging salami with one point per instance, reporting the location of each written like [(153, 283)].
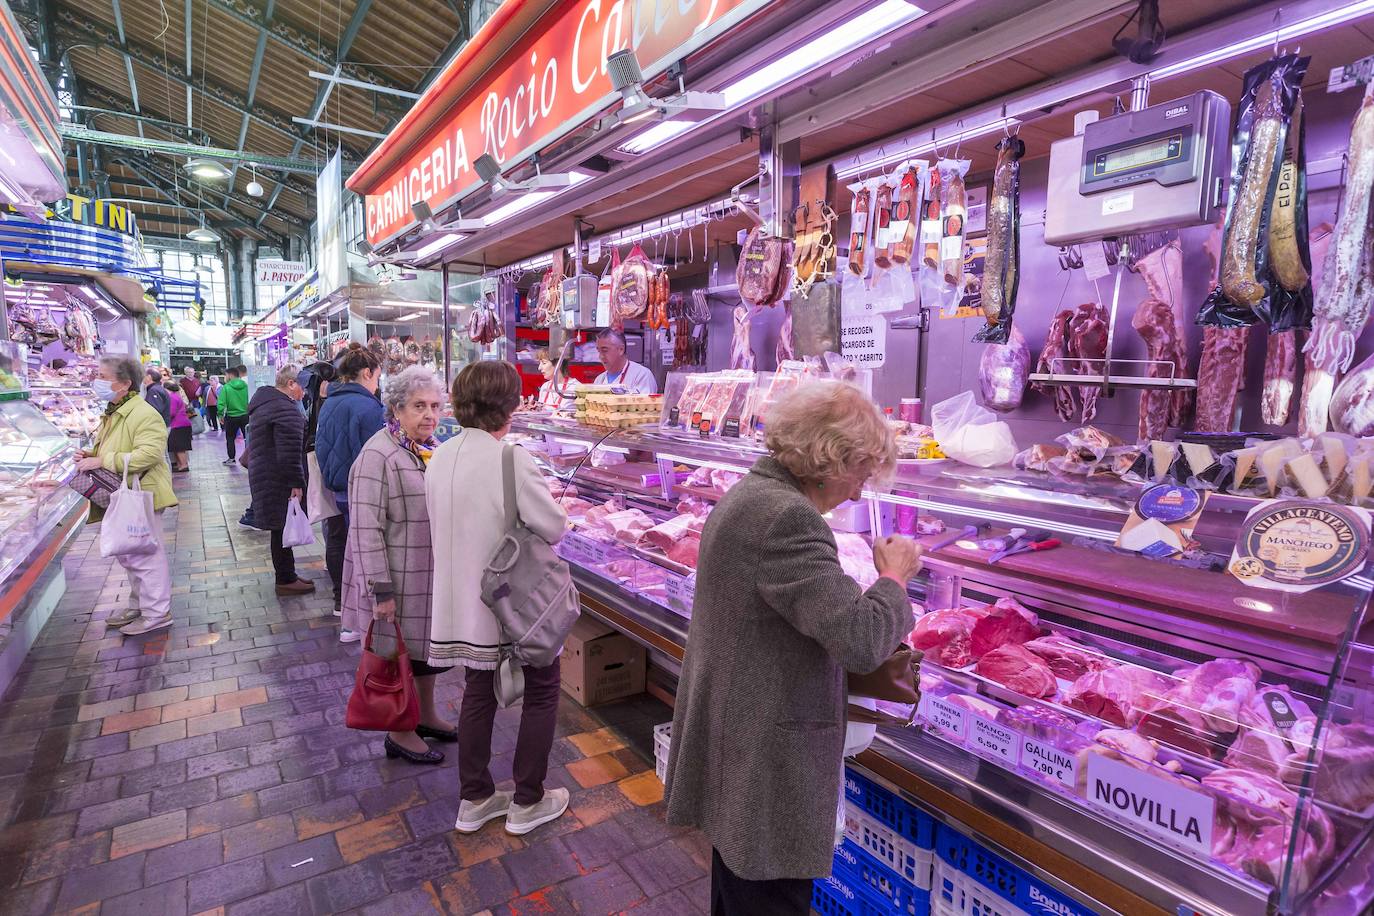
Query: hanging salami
[(1002, 262)]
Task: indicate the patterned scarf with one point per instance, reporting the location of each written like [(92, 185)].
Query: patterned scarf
[(111, 407), (422, 450)]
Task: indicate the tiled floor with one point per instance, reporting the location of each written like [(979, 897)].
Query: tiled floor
[(206, 769)]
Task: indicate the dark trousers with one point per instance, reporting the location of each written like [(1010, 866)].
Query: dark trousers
[(283, 559), (212, 417), (232, 427), (732, 895), (335, 542), (538, 719)]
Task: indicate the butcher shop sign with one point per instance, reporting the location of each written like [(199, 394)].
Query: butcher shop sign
[(550, 81), (1163, 807)]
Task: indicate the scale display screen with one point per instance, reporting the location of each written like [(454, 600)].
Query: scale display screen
[(1149, 153)]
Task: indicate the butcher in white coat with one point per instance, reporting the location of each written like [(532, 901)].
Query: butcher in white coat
[(610, 347)]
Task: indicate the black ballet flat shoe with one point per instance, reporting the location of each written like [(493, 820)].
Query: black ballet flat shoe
[(424, 731), (394, 750)]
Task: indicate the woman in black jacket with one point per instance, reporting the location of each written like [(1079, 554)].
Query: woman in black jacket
[(276, 468)]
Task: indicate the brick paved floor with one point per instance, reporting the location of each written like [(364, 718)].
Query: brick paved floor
[(206, 769)]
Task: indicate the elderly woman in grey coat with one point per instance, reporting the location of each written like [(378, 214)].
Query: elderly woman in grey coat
[(388, 569), (759, 730)]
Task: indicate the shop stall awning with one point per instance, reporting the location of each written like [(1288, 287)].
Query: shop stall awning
[(33, 169)]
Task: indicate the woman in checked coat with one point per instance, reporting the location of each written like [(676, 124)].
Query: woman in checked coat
[(388, 571)]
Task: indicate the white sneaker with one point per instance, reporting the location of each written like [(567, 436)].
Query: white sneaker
[(349, 636), (524, 818), (123, 618), (472, 815), (146, 625)]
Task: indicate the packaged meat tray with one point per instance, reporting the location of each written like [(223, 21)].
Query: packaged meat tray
[(708, 404)]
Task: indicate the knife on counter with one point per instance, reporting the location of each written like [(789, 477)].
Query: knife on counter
[(967, 531)]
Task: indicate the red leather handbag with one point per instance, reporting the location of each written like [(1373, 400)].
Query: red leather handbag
[(384, 697)]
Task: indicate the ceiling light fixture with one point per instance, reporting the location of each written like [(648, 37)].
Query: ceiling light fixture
[(207, 169), (1268, 38), (411, 317), (442, 243), (203, 233), (255, 188)]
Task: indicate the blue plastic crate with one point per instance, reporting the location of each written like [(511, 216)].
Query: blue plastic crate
[(1009, 881), (910, 823), (854, 866), (836, 896)]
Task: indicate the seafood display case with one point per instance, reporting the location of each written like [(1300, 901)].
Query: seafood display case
[(1190, 739)]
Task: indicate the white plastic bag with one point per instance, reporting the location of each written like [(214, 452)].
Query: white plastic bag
[(130, 526), (319, 499), (970, 433), (297, 532)]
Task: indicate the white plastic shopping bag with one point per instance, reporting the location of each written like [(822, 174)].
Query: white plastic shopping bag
[(319, 499), (970, 433), (297, 532), (130, 526)]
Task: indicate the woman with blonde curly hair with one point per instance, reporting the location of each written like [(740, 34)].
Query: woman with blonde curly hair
[(759, 730)]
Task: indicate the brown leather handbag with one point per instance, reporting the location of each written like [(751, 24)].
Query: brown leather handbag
[(896, 680), (384, 697)]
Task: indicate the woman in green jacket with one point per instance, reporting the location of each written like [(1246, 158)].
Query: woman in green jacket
[(133, 430)]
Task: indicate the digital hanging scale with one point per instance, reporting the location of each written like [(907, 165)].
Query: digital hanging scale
[(1162, 167)]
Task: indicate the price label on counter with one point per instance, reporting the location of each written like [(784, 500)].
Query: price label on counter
[(681, 592), (993, 740), (588, 551), (1155, 804), (1049, 762), (946, 718)]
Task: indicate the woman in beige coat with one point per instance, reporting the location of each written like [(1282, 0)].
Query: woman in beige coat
[(388, 571)]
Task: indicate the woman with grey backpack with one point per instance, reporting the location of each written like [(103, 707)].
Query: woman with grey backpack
[(465, 494)]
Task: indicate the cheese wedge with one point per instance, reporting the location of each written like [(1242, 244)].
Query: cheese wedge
[(1334, 455), (1199, 457), (1149, 532), (1245, 463), (1271, 465), (1360, 480), (1164, 454), (1304, 471)]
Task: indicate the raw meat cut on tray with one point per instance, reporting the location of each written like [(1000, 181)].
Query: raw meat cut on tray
[(685, 551), (1017, 669), (1345, 773), (574, 506), (1007, 623), (1254, 828), (856, 557), (1054, 358), (1263, 744), (1066, 658), (666, 534), (1112, 694), (976, 705), (628, 526), (944, 635), (1202, 710)]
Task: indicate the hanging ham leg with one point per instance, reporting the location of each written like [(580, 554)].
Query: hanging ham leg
[(1088, 344), (784, 351), (1053, 358), (1218, 378), (741, 353), (1154, 322), (1162, 271), (1280, 376)]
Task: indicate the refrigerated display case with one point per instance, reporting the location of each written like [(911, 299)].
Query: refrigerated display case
[(36, 460), (1174, 736)]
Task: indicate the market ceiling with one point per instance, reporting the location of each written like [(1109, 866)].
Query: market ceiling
[(1045, 43), (244, 66)]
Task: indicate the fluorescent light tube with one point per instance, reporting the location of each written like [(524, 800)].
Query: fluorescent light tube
[(1268, 39), (823, 50), (411, 317), (442, 242), (661, 132)]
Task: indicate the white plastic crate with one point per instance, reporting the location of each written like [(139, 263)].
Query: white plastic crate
[(663, 740), (888, 846), (954, 893)]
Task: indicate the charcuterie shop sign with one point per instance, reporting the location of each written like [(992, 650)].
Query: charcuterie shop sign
[(549, 83), (1294, 545)]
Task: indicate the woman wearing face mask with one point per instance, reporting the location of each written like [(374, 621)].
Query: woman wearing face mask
[(350, 416), (776, 623), (389, 566), (276, 468), (132, 432)]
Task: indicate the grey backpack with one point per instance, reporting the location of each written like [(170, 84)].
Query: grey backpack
[(529, 589)]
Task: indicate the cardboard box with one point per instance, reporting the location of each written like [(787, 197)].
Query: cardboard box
[(601, 664)]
